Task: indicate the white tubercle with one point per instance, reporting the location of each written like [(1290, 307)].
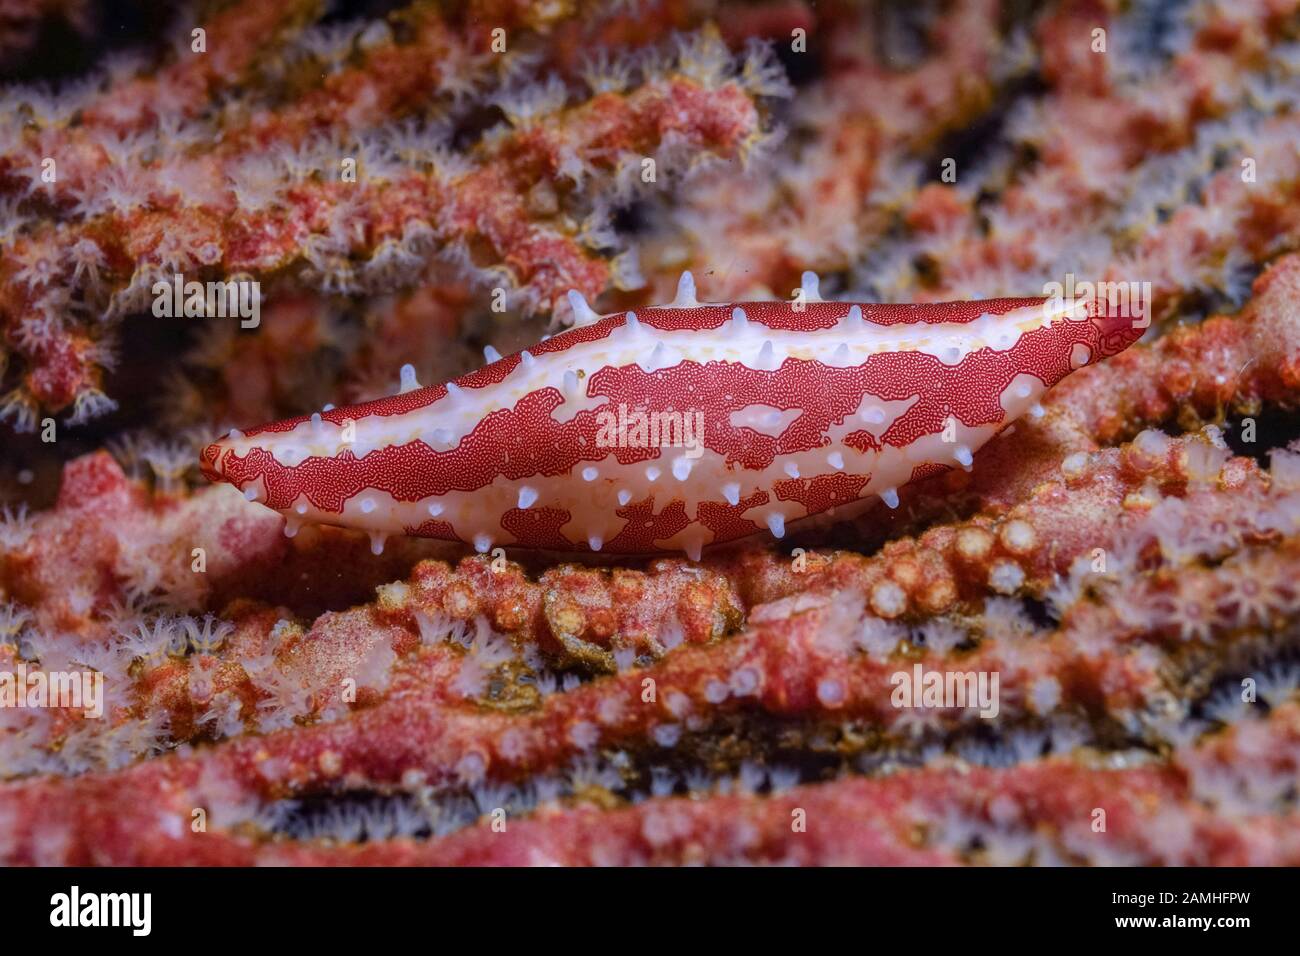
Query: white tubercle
[(731, 491), (595, 542), (408, 380), (526, 359), (811, 286), (583, 314), (682, 468), (454, 392), (435, 509), (739, 321), (835, 460), (792, 469), (854, 322), (527, 496), (590, 474), (890, 497), (482, 543), (963, 456), (377, 540), (685, 292), (952, 354), (624, 496), (631, 323), (490, 354), (776, 524)]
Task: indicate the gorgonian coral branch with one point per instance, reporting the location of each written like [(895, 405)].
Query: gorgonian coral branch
[(499, 212), (1043, 811)]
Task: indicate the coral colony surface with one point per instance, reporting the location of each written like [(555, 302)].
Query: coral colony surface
[(1021, 622)]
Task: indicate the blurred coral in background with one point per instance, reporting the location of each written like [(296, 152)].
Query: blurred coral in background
[(1128, 562)]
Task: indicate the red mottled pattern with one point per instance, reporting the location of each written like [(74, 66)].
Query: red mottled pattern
[(822, 492), (526, 441), (645, 525), (775, 315), (928, 470), (432, 528), (727, 522), (538, 525)]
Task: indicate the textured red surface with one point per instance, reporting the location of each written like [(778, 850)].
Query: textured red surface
[(1123, 562)]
